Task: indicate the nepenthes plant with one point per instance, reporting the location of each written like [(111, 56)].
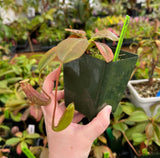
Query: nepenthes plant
[(66, 51)]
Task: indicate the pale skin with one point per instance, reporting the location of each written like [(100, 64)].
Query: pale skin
[(76, 140)]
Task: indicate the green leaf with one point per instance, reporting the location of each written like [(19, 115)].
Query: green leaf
[(128, 108), (66, 119), (1, 139), (140, 127), (12, 141), (131, 123), (25, 150), (105, 34), (14, 102), (116, 133), (16, 117), (118, 113), (47, 58), (105, 51), (120, 126), (3, 84), (157, 134), (138, 138), (2, 118), (138, 116), (4, 127), (71, 49), (32, 136)]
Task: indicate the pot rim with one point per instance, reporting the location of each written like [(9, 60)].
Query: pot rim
[(141, 99)]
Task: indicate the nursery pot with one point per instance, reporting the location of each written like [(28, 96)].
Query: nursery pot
[(139, 101), (155, 155), (90, 82)]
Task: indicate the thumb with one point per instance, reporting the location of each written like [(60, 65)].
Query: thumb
[(98, 125)]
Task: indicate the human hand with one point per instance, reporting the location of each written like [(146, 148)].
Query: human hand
[(76, 140)]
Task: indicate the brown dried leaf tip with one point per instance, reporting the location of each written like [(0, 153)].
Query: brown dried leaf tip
[(33, 95)]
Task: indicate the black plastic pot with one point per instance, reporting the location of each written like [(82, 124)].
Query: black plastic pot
[(47, 45), (132, 12), (22, 44), (156, 155), (90, 82)]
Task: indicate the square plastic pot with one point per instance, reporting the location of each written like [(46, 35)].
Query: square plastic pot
[(90, 82), (139, 101)]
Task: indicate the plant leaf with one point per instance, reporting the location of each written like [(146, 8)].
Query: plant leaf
[(16, 117), (36, 112), (105, 51), (18, 149), (140, 127), (25, 114), (157, 134), (2, 118), (120, 126), (47, 58), (44, 153), (128, 108), (12, 141), (80, 32), (14, 102), (71, 49), (118, 113), (138, 116), (66, 119), (32, 136), (105, 34), (102, 139), (19, 134), (33, 95), (149, 130), (138, 138), (100, 150), (157, 43)]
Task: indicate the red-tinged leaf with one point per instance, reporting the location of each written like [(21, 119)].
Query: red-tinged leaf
[(157, 69), (105, 51), (74, 36), (36, 112), (149, 130), (71, 49), (33, 95), (157, 43), (100, 150), (18, 149), (80, 32), (25, 114), (5, 150), (19, 134), (105, 34), (2, 117)]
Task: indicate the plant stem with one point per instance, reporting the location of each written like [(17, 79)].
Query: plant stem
[(30, 43), (55, 103), (131, 145)]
